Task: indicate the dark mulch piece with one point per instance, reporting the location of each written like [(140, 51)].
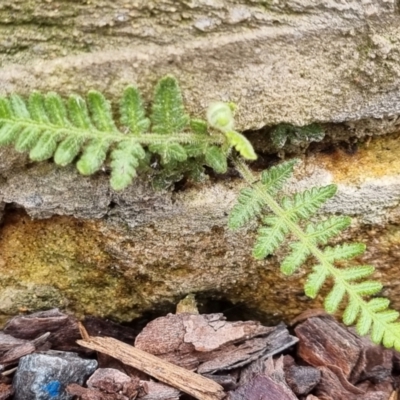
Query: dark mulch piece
[(323, 360)]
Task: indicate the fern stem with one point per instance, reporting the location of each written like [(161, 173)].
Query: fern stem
[(296, 230)]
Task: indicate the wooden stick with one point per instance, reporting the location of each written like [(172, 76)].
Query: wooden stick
[(189, 382)]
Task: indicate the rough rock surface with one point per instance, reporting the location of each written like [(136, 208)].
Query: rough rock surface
[(99, 252), (283, 60)]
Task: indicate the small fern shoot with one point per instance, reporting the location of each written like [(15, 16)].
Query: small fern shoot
[(281, 216), (85, 131)]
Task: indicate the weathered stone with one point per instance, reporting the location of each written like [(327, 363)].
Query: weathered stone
[(45, 376), (290, 61)]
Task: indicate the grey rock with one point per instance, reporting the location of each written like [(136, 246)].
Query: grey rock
[(44, 376)]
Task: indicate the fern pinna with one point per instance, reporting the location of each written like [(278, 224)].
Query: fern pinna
[(280, 217), (46, 126)]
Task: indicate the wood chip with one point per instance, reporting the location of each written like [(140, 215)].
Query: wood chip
[(189, 382), (325, 342)]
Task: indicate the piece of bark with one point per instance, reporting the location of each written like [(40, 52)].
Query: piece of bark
[(13, 355), (188, 339), (261, 387), (110, 380), (63, 328), (333, 387), (301, 379), (375, 363), (91, 394), (205, 332), (323, 341), (6, 391), (235, 356), (159, 391), (228, 382), (8, 342), (197, 386)]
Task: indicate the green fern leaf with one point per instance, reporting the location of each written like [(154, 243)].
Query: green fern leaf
[(377, 332), (334, 298), (295, 259), (78, 113), (378, 304), (367, 288), (56, 110), (357, 273), (44, 148), (344, 252), (275, 177), (351, 312), (269, 239), (199, 126), (93, 157), (389, 316), (279, 135), (249, 205), (125, 159), (36, 108), (304, 205), (100, 109), (169, 152), (19, 107), (315, 280), (216, 159), (5, 109), (8, 133), (323, 231), (364, 322), (67, 150), (133, 114), (168, 113), (241, 144), (26, 139)]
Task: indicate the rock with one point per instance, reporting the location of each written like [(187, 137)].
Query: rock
[(42, 376)]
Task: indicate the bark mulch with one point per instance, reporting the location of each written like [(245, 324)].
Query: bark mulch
[(192, 356)]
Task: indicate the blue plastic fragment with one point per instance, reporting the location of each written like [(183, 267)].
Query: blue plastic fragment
[(53, 388)]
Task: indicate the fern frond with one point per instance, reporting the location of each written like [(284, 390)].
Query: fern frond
[(168, 113), (84, 131), (371, 316)]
